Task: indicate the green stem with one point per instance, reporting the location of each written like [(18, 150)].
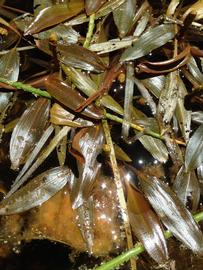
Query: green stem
[(26, 88), (90, 31), (139, 128), (139, 248)]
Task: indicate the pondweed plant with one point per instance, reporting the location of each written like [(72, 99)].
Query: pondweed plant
[(91, 86)]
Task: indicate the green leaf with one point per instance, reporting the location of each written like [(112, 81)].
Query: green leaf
[(37, 191), (156, 148), (53, 15), (80, 57), (124, 15), (149, 41), (92, 6)]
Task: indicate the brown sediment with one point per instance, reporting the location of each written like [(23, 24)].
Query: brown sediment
[(56, 220)]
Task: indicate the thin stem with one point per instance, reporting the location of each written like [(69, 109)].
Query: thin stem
[(90, 31), (19, 49), (119, 187), (26, 88), (138, 249), (139, 128)]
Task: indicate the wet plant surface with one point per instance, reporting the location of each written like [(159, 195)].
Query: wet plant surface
[(101, 134)]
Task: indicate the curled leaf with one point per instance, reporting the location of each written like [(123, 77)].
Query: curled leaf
[(88, 143), (37, 191), (28, 131), (60, 116)]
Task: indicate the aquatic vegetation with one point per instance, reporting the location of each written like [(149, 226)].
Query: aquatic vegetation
[(101, 124)]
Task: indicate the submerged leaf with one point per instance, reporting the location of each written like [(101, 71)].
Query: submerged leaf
[(9, 65), (149, 41), (194, 150), (187, 188), (28, 131), (146, 225), (37, 191), (88, 143), (168, 97), (68, 96), (172, 212), (91, 6), (124, 15), (156, 147), (89, 88), (60, 116), (53, 15), (80, 57)]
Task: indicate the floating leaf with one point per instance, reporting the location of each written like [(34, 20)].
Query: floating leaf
[(28, 131), (194, 150), (53, 15), (88, 143), (124, 16), (71, 98), (37, 191), (187, 188), (149, 41), (172, 212), (80, 57)]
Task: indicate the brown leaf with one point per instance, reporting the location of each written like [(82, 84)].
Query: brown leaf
[(80, 57), (53, 15), (144, 222), (91, 6), (69, 97)]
